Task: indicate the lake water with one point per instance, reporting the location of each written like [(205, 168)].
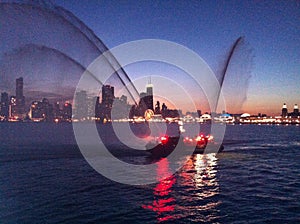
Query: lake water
[(45, 179)]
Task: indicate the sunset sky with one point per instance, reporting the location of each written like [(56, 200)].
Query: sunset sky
[(271, 29), (262, 75)]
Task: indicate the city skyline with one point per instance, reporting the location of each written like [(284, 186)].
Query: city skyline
[(209, 28), (262, 75), (110, 107), (150, 111)]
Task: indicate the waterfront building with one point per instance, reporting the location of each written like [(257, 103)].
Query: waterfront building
[(123, 99), (56, 111), (149, 96), (92, 105), (36, 112), (12, 106), (146, 101), (157, 108), (20, 99), (284, 110), (81, 105), (295, 112), (41, 111), (121, 109), (107, 96), (4, 106), (296, 109), (67, 111)]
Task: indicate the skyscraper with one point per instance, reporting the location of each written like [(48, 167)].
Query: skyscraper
[(12, 106), (107, 96), (4, 106), (20, 99), (41, 111), (81, 105), (296, 109), (146, 101), (67, 111), (149, 89), (149, 97), (284, 111)]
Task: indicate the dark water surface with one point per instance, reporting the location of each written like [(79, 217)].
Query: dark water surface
[(45, 179)]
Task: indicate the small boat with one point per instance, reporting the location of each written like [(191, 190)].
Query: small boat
[(164, 145)]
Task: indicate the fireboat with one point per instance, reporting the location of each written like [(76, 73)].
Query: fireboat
[(164, 145)]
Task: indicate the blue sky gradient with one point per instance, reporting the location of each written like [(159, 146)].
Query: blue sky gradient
[(271, 28)]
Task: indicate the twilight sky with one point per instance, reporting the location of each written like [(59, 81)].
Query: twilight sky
[(263, 74), (271, 29)]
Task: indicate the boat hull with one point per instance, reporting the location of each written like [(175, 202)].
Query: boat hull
[(163, 150)]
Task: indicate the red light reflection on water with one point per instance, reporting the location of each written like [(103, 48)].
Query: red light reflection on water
[(163, 203), (198, 179)]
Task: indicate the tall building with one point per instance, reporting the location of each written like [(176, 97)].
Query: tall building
[(157, 108), (296, 109), (149, 89), (81, 105), (295, 112), (20, 98), (146, 101), (47, 110), (41, 111), (36, 111), (121, 108), (149, 97), (4, 106), (92, 105), (56, 110), (107, 96), (284, 110), (67, 111), (12, 106), (123, 98)]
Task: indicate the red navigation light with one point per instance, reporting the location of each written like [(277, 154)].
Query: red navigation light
[(164, 139), (210, 138), (200, 139)]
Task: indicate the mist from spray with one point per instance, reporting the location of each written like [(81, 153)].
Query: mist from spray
[(40, 23), (44, 42), (235, 75)]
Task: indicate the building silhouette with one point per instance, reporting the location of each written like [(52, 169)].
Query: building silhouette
[(145, 103), (19, 109), (103, 109), (149, 96), (284, 110), (157, 108), (108, 96), (4, 106), (121, 108), (41, 111), (165, 112), (296, 109), (295, 113), (81, 105), (67, 111), (57, 111), (12, 106)]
